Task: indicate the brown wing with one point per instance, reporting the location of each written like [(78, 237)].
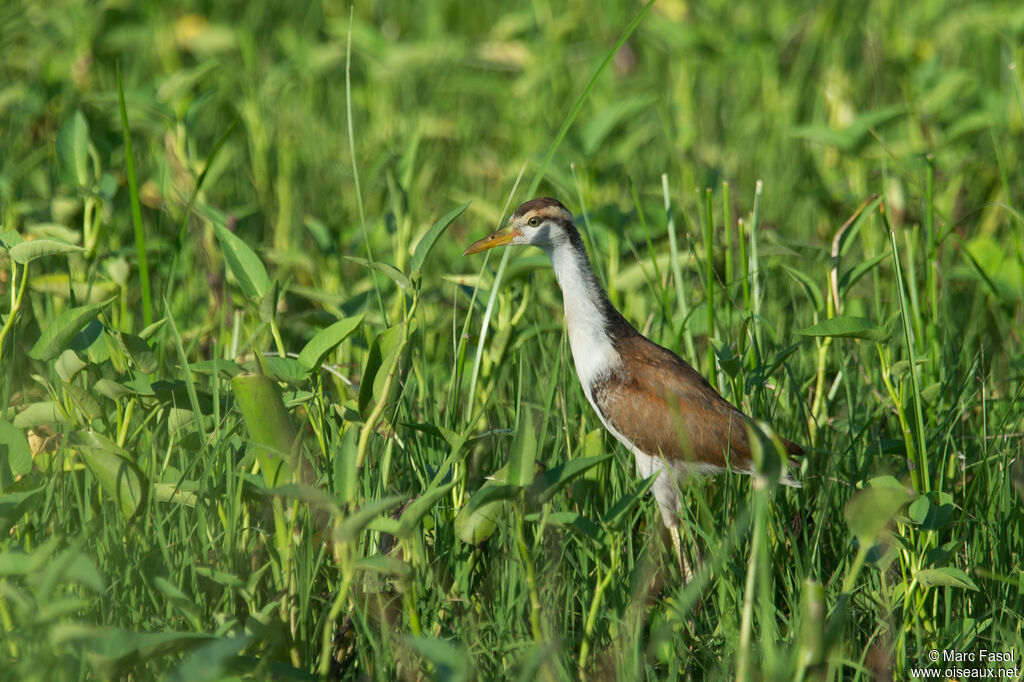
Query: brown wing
[(664, 406)]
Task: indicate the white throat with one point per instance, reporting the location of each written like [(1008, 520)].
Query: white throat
[(592, 350)]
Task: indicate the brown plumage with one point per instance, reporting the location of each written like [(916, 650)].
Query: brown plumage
[(668, 416), (538, 205), (663, 406)]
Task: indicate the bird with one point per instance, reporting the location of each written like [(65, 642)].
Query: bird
[(660, 408)]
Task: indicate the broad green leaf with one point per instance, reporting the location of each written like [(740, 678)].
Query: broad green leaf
[(70, 566), (172, 492), (181, 423), (107, 186), (86, 340), (225, 369), (87, 405), (271, 432), (932, 511), (939, 556), (111, 389), (68, 365), (860, 218), (524, 452), (223, 578), (593, 443), (946, 576), (211, 660), (117, 475), (765, 370), (580, 524), (627, 502), (853, 275), (139, 351), (73, 150), (326, 340), (932, 392), (727, 360), (317, 498), (453, 439), (414, 513), (596, 128), (17, 564), (425, 244), (57, 608), (60, 286), (243, 262), (870, 510), (448, 663), (13, 505), (384, 524), (491, 491), (899, 370), (393, 273), (58, 334), (547, 483), (171, 591), (114, 652), (886, 481), (28, 251), (10, 238), (848, 327), (345, 458), (287, 370), (767, 451), (40, 413), (808, 284), (15, 454), (267, 305), (811, 651), (387, 367), (56, 231), (996, 266), (855, 133), (384, 565), (353, 524), (119, 270), (477, 521), (321, 234), (383, 349), (919, 509), (147, 333), (175, 393)]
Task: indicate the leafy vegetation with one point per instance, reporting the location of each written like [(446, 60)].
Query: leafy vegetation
[(261, 419)]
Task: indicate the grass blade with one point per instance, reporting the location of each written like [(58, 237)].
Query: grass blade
[(425, 244), (133, 194)]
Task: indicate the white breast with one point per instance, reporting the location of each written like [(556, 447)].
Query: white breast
[(595, 357), (592, 350)]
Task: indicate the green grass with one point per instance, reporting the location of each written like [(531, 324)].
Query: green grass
[(255, 401)]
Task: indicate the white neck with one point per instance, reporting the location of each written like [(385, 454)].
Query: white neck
[(592, 350)]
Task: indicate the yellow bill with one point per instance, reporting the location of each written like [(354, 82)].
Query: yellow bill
[(502, 237)]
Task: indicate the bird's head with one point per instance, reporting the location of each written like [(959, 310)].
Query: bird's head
[(542, 222)]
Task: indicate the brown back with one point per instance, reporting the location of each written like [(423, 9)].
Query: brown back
[(665, 407)]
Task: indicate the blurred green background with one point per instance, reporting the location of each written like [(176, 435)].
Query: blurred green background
[(143, 536)]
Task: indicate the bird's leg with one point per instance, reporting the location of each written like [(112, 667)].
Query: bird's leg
[(697, 557), (677, 545), (686, 569)]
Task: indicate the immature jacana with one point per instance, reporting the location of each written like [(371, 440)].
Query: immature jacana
[(649, 398)]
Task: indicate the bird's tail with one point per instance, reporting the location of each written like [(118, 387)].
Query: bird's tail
[(791, 449)]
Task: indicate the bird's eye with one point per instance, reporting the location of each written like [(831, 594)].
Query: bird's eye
[(533, 222)]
